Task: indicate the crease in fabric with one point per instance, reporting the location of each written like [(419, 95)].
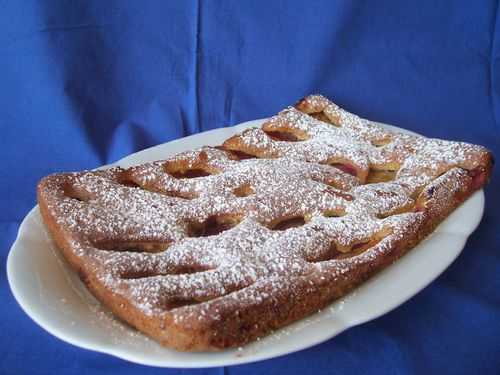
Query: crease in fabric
[(197, 57), (494, 76), (48, 29)]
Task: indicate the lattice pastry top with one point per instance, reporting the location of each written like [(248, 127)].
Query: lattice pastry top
[(218, 246)]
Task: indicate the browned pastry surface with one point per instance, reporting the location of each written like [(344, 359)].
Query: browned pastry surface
[(215, 247)]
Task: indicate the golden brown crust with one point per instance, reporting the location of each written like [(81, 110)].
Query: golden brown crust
[(192, 319)]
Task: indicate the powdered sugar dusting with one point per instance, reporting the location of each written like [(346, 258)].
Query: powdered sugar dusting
[(250, 262)]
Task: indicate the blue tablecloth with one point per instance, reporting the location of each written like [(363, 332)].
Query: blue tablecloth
[(83, 83)]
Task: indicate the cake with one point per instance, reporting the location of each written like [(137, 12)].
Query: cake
[(215, 247)]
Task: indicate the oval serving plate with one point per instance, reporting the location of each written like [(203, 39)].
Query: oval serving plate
[(53, 296)]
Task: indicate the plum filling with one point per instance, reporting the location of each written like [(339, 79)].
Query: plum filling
[(349, 169)]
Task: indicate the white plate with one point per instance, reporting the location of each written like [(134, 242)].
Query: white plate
[(53, 296)]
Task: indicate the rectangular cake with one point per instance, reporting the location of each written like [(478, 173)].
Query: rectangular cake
[(216, 247)]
